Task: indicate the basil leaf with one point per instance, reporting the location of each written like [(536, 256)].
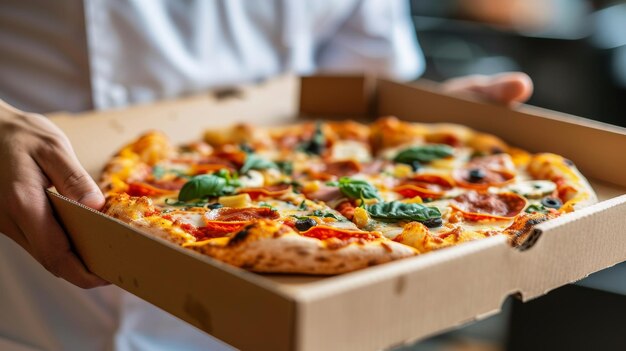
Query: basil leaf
[(205, 185), (357, 189), (396, 210), (317, 143), (423, 153), (254, 161), (285, 167)]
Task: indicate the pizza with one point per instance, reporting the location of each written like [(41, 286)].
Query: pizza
[(332, 197)]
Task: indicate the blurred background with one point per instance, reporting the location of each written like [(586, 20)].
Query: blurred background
[(574, 50)]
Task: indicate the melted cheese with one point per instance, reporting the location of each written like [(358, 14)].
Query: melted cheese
[(350, 150)]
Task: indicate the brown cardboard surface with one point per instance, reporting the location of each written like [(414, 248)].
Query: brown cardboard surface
[(376, 307), (317, 97), (210, 295), (97, 135)]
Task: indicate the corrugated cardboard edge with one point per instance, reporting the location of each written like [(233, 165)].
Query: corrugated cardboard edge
[(440, 284), (233, 312)]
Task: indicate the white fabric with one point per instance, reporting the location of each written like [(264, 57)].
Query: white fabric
[(73, 55)]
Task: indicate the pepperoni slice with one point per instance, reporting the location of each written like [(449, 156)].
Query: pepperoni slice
[(323, 232), (476, 206), (494, 162), (213, 229), (145, 189), (267, 191), (343, 168), (223, 221), (335, 169), (228, 214), (496, 178), (430, 186), (216, 229)]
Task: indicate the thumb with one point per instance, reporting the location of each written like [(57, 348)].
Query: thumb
[(69, 177), (505, 88)]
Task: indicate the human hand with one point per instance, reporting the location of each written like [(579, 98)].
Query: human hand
[(35, 154), (507, 88)]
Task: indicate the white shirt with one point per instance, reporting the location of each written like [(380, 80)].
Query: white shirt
[(75, 55)]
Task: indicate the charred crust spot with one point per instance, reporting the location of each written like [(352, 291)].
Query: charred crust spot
[(335, 244), (321, 258), (522, 234), (240, 236), (372, 262), (302, 252)]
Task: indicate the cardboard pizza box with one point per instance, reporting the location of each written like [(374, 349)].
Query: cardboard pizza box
[(378, 307)]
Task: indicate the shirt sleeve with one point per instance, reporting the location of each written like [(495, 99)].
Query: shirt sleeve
[(377, 37)]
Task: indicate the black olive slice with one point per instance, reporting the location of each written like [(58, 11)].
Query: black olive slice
[(551, 202), (305, 224), (476, 175)]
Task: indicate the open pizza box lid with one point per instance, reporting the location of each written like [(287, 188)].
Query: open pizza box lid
[(378, 307)]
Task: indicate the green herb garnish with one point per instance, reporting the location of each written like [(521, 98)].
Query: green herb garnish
[(423, 153), (254, 161), (303, 206), (159, 171), (357, 189), (285, 167), (317, 143), (208, 185), (322, 214), (265, 204), (396, 210), (537, 208)]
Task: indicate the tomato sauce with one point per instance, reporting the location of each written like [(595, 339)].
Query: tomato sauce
[(485, 206)]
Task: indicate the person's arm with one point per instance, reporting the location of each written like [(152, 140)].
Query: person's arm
[(35, 154)]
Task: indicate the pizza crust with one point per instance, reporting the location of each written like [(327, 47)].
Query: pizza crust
[(271, 247)]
